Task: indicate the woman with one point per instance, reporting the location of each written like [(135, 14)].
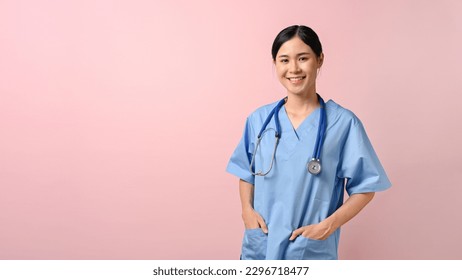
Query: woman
[(292, 211)]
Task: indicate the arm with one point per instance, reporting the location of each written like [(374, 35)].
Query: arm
[(251, 217), (352, 206)]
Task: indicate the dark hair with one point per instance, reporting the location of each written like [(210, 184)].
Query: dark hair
[(305, 33)]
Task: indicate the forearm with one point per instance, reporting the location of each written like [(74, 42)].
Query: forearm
[(252, 219), (246, 193), (352, 206)]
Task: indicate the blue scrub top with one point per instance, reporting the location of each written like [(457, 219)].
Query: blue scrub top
[(289, 197)]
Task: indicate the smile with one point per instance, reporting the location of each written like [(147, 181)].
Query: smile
[(295, 79)]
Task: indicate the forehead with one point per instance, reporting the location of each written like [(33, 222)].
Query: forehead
[(294, 46)]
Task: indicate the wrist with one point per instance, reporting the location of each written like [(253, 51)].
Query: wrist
[(331, 224), (247, 207)]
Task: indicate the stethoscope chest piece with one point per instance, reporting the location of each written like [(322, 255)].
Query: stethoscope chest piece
[(314, 166)]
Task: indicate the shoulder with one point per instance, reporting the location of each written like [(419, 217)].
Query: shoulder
[(259, 115), (338, 115)]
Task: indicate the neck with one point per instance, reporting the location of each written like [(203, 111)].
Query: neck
[(302, 103)]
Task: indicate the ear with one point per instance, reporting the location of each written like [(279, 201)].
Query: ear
[(320, 60)]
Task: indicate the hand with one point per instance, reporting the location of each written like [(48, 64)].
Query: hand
[(315, 231), (252, 219)]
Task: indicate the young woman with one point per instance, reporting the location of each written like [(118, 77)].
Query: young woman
[(296, 158)]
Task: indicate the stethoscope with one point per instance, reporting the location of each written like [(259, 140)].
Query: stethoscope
[(314, 166)]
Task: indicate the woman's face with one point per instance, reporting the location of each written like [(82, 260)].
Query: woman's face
[(297, 66)]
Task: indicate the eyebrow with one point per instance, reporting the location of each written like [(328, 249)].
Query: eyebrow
[(303, 53)]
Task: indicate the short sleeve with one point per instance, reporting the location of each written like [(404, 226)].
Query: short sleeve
[(359, 163), (239, 162)]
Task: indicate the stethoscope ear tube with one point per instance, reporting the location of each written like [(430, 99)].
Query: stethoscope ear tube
[(260, 173)]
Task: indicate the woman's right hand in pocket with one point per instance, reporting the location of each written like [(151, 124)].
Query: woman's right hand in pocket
[(252, 219)]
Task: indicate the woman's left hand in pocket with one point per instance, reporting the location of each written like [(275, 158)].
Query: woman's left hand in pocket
[(315, 231)]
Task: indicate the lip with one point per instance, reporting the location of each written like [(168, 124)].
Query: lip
[(296, 79)]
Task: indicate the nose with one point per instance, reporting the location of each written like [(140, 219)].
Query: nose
[(294, 67)]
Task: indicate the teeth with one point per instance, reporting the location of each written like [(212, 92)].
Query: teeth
[(296, 79)]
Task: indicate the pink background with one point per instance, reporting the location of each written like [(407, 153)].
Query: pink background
[(117, 119)]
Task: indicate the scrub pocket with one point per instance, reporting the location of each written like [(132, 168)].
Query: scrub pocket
[(303, 248), (320, 249), (254, 244)]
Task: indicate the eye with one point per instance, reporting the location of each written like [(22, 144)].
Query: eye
[(284, 60), (303, 58)]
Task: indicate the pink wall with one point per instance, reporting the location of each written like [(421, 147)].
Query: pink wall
[(117, 119)]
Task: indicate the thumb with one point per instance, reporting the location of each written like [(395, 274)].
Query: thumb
[(262, 223), (296, 233)]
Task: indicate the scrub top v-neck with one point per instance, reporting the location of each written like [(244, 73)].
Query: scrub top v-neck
[(310, 119)]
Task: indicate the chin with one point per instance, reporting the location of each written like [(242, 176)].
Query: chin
[(297, 91)]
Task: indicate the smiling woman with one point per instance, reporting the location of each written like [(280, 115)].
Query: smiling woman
[(297, 66), (297, 54), (294, 209)]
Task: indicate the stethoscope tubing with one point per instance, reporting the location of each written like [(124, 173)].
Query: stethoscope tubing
[(321, 131), (275, 112)]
